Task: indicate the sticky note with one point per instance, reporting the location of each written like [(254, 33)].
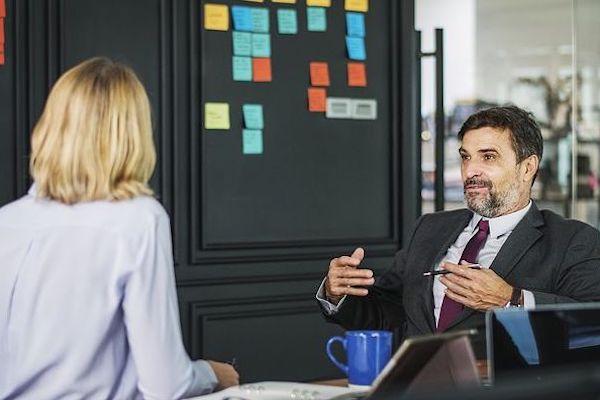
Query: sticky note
[(216, 17), (319, 3), (253, 116), (287, 21), (261, 45), (242, 43), (356, 48), (2, 33), (260, 19), (355, 24), (256, 1), (364, 109), (242, 68), (1, 58), (2, 9), (242, 18), (261, 68), (357, 5), (216, 115), (317, 98), (339, 107), (252, 141), (316, 19), (357, 74), (319, 74), (284, 1)]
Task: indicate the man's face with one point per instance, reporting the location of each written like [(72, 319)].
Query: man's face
[(493, 181)]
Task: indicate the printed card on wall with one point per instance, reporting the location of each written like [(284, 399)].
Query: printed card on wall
[(317, 98), (261, 69), (216, 17), (252, 141), (216, 116), (339, 108), (319, 74), (356, 5), (364, 109), (287, 21), (357, 74)]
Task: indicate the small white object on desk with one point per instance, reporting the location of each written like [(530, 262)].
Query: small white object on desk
[(277, 391)]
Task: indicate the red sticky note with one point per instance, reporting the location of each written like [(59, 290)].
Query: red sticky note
[(1, 31), (317, 99), (319, 74), (2, 57), (2, 9), (357, 74), (261, 70)]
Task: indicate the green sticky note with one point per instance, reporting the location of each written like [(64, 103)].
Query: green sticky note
[(253, 116), (261, 45), (242, 68), (287, 21), (260, 19), (252, 141), (316, 19), (216, 115), (242, 43)]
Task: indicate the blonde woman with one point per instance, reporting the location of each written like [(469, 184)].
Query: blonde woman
[(88, 306)]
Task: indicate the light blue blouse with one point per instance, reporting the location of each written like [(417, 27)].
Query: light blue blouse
[(88, 306)]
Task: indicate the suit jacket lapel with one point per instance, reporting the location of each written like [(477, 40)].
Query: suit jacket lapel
[(520, 240), (442, 243)]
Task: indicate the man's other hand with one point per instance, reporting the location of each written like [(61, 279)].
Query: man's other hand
[(479, 289), (344, 275), (226, 375)]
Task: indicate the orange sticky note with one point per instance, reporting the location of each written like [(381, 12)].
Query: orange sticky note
[(2, 9), (1, 31), (319, 74), (317, 99), (357, 74), (2, 57), (261, 70)]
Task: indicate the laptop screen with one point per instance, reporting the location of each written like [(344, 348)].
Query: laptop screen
[(534, 340)]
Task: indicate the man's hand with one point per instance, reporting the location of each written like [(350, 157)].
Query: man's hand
[(226, 375), (477, 289), (344, 274)]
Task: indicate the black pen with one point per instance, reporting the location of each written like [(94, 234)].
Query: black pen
[(445, 271)]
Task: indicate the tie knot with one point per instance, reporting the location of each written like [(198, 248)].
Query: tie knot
[(484, 225)]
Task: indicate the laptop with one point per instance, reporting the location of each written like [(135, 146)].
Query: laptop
[(535, 342), (425, 363)]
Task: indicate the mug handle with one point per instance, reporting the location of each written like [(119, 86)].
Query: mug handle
[(338, 364)]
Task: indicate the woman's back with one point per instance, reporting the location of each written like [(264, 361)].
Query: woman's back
[(65, 274)]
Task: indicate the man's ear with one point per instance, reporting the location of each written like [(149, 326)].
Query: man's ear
[(531, 165)]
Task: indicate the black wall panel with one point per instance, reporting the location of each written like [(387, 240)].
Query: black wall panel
[(251, 301)]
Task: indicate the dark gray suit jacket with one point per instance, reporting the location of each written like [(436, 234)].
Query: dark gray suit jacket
[(555, 258)]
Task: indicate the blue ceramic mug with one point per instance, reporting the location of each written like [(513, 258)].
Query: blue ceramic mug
[(367, 353)]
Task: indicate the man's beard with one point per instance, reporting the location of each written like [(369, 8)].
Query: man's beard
[(495, 203)]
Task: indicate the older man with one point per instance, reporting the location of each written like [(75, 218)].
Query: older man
[(526, 256)]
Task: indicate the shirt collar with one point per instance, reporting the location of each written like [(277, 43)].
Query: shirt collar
[(502, 224)]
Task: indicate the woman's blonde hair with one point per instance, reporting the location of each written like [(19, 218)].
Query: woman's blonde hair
[(94, 138)]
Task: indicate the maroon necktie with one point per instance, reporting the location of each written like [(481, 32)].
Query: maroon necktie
[(451, 308)]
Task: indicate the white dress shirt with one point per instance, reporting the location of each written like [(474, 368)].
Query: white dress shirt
[(500, 229), (88, 306)]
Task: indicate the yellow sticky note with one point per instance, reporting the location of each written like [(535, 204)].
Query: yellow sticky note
[(256, 1), (216, 17), (319, 3), (357, 5), (284, 1), (216, 116)]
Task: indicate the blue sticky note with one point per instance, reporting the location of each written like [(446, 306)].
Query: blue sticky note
[(252, 141), (287, 21), (242, 18), (242, 43), (355, 24), (242, 68), (261, 45), (356, 48), (253, 116), (316, 19), (260, 19)]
